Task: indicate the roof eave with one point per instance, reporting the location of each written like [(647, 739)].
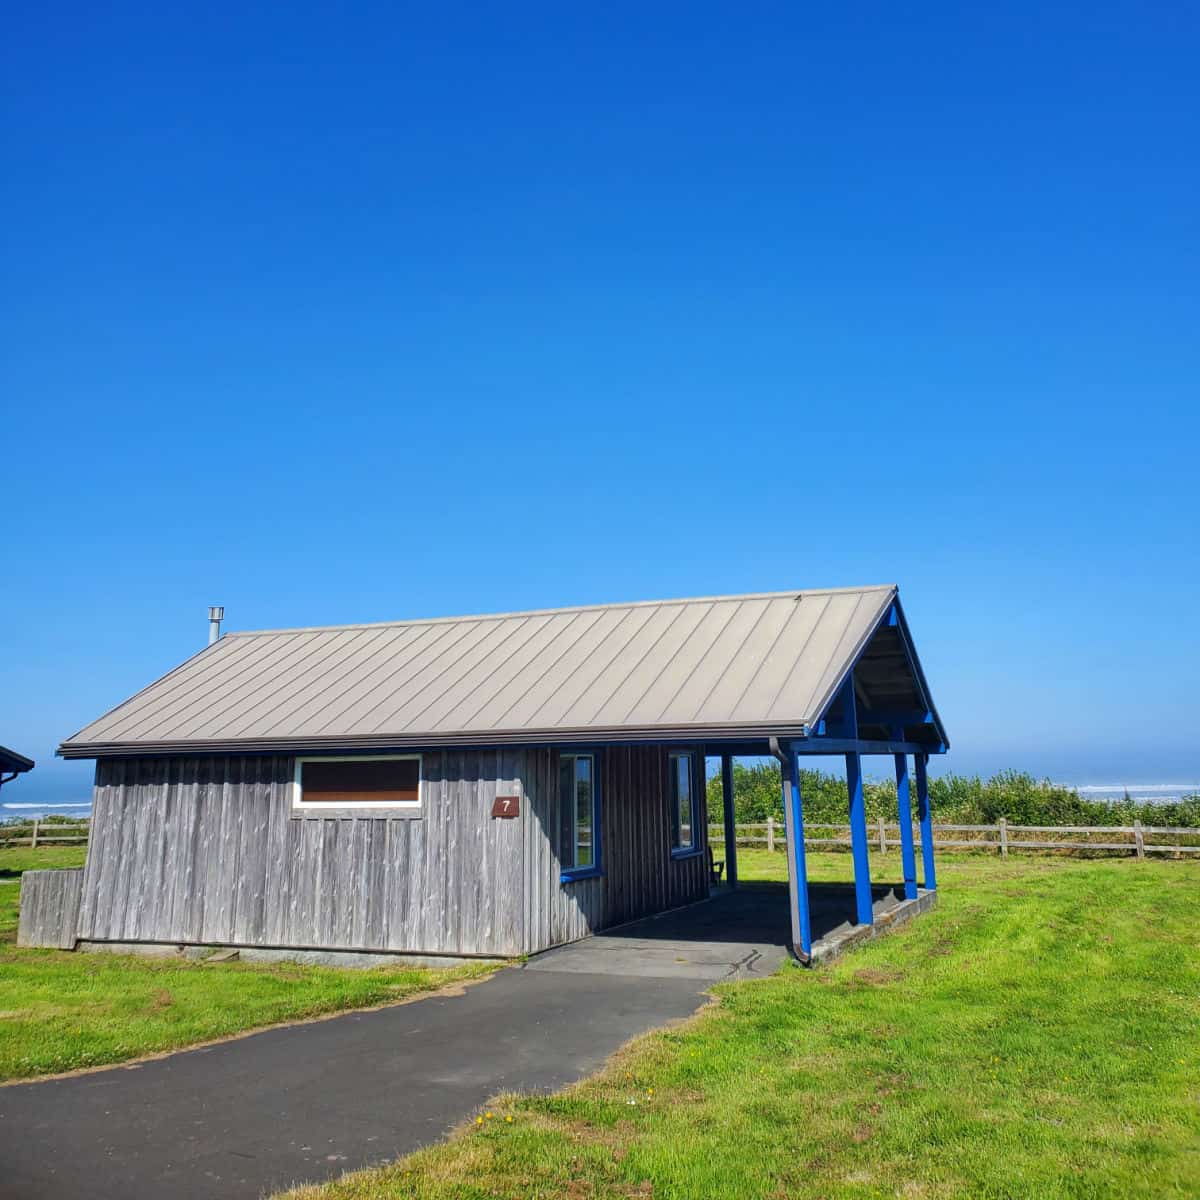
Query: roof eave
[(10, 760), (479, 737)]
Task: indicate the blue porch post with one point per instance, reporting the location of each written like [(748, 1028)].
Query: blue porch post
[(858, 809), (926, 820), (793, 817), (908, 854), (858, 841)]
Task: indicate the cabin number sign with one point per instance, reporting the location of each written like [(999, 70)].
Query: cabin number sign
[(506, 806)]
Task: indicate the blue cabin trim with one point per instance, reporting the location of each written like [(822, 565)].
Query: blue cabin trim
[(696, 781), (594, 869)]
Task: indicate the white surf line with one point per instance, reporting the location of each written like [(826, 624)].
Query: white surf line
[(74, 804)]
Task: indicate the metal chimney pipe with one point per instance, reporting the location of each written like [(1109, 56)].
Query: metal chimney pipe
[(216, 614)]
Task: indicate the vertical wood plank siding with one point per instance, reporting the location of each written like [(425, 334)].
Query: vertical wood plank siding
[(49, 908), (640, 877), (205, 850)]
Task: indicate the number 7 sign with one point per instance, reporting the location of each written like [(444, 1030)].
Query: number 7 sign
[(506, 806)]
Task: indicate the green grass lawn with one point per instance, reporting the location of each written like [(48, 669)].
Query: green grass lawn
[(60, 1011), (1035, 1036), (15, 859)]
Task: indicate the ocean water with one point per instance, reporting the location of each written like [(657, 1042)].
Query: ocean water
[(1142, 793), (15, 810)]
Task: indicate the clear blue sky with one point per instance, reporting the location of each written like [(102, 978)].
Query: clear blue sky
[(345, 313)]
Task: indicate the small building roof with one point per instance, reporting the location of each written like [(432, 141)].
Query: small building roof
[(12, 763), (722, 667)]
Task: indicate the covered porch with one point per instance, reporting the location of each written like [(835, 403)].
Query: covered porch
[(739, 933), (881, 708)]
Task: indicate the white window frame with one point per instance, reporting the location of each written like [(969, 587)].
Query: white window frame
[(396, 807)]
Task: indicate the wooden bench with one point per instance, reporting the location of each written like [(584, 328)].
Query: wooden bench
[(715, 869)]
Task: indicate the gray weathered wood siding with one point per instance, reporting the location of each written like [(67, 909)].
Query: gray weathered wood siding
[(556, 912), (640, 876), (50, 908), (205, 850)]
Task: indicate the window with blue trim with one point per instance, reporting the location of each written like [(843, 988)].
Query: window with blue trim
[(579, 804), (682, 789)]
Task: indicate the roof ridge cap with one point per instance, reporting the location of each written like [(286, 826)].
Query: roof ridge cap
[(798, 593)]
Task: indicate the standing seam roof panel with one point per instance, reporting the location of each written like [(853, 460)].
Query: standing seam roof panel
[(620, 667), (303, 663), (293, 712), (723, 697), (655, 700), (198, 690), (481, 686), (572, 664), (555, 708), (446, 641), (286, 659), (492, 712), (779, 660), (495, 648), (320, 710), (613, 711), (810, 666), (715, 663), (838, 660), (257, 712), (706, 675), (152, 696)]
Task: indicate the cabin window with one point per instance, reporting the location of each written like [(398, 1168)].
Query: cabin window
[(683, 794), (579, 804), (386, 784)]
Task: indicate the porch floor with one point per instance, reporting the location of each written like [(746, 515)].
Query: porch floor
[(742, 934)]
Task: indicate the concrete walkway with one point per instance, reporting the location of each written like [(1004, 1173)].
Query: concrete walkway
[(303, 1103)]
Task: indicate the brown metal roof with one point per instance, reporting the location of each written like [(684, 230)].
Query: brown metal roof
[(721, 666)]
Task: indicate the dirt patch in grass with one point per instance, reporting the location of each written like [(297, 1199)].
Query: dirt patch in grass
[(876, 976)]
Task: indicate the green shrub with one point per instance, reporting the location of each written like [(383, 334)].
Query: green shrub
[(954, 799)]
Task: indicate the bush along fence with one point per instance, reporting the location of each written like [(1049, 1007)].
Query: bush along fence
[(1136, 839), (1015, 796)]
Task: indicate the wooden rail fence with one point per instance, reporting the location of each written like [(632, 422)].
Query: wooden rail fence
[(42, 833), (1139, 839)]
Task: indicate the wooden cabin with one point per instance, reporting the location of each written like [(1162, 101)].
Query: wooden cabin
[(469, 786)]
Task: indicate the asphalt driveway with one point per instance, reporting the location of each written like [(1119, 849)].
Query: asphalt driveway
[(307, 1102)]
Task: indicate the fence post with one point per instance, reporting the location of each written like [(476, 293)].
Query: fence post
[(771, 834), (882, 837), (1003, 837), (33, 842), (1138, 840)]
